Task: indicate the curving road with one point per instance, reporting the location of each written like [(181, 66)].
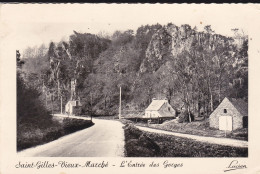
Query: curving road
[(104, 139)]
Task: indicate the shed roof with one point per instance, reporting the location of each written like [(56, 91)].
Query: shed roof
[(240, 105), (156, 105)]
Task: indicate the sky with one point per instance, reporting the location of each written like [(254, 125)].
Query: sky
[(36, 24)]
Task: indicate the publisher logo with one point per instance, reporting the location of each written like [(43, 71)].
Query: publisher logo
[(235, 165)]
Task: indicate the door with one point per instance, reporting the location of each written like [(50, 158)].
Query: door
[(225, 123), (245, 122)]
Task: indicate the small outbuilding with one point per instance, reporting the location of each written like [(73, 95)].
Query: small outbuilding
[(73, 107), (159, 109), (231, 114)]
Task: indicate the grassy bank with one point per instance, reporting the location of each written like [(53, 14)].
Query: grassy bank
[(143, 144), (201, 128), (29, 136), (197, 128)]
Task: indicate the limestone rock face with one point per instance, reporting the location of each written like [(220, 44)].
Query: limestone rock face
[(170, 41), (166, 44)]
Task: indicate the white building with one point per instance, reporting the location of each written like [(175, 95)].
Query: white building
[(73, 107), (159, 108)]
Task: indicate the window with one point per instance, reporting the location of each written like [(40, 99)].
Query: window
[(225, 110), (169, 109)]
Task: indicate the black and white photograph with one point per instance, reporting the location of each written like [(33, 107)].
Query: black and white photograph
[(133, 81)]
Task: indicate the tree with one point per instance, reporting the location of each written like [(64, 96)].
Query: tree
[(30, 108), (208, 29)]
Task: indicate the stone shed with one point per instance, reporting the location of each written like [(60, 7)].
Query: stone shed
[(231, 114)]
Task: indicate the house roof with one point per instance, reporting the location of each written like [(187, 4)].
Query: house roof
[(74, 103), (165, 112), (240, 105), (156, 105)]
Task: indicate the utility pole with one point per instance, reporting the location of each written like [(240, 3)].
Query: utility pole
[(120, 104), (52, 103), (61, 104), (91, 106)]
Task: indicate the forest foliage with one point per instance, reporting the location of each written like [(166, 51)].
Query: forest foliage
[(193, 69)]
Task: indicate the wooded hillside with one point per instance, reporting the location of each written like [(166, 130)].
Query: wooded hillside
[(193, 70)]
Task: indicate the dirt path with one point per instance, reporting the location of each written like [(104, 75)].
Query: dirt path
[(104, 139), (212, 140)]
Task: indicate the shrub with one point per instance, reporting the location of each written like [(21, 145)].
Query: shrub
[(184, 117), (148, 143), (29, 136), (132, 132), (138, 144), (72, 125), (30, 109)]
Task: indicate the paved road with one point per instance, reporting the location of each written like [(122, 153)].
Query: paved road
[(67, 116), (104, 139), (212, 140)]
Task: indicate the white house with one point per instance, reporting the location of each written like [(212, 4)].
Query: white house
[(72, 107), (159, 108)]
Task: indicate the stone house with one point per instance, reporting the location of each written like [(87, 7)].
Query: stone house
[(159, 109), (231, 114)]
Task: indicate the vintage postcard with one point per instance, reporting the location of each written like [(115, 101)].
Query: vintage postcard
[(129, 88)]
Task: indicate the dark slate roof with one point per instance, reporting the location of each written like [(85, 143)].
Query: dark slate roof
[(240, 105)]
